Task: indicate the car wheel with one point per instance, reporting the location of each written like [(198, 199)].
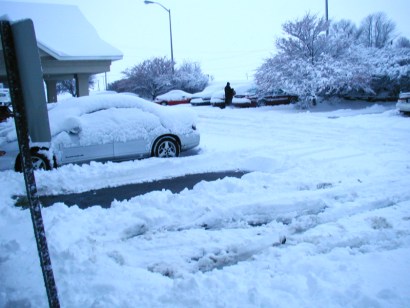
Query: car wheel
[(40, 162), (166, 147), (164, 103), (260, 103)]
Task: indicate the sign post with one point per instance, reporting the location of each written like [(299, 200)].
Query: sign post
[(19, 94)]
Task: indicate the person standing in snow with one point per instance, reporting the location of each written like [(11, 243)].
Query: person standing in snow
[(229, 93)]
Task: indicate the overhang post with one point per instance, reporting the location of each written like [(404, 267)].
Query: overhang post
[(51, 91), (81, 84)]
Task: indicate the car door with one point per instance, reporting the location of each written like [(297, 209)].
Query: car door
[(75, 152), (137, 148), (135, 131)]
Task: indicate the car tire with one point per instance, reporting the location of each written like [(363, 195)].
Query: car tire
[(261, 103), (164, 103), (166, 147), (40, 162)]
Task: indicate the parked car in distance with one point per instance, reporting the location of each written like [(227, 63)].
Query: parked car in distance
[(403, 104), (173, 97), (246, 96), (204, 97), (201, 101), (361, 95), (218, 98), (278, 98), (101, 128), (201, 98), (5, 113), (4, 97)]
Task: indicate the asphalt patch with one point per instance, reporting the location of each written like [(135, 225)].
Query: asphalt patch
[(105, 196)]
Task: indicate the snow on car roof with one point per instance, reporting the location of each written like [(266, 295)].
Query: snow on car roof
[(216, 89), (76, 112), (218, 96), (174, 95), (209, 90)]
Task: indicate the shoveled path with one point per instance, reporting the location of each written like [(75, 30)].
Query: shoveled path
[(104, 197)]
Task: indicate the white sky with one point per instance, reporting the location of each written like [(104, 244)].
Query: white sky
[(228, 38)]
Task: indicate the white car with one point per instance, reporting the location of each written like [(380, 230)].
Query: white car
[(403, 104), (203, 98), (104, 127), (218, 98), (245, 96)]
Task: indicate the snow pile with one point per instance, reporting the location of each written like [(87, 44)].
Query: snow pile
[(334, 183)]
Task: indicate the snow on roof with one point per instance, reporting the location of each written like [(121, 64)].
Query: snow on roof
[(62, 31)]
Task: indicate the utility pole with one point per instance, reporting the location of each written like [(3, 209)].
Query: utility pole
[(327, 17)]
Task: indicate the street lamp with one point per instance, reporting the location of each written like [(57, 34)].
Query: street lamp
[(170, 28)]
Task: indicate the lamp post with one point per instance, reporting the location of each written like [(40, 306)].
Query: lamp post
[(170, 29)]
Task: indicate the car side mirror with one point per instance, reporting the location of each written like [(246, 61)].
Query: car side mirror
[(75, 130)]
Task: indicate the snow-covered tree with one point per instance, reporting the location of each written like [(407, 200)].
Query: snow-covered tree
[(189, 77), (305, 38), (390, 69), (328, 76), (154, 77), (342, 35), (150, 78), (377, 30), (402, 42), (341, 63)]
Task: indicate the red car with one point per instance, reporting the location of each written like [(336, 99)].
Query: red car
[(173, 97)]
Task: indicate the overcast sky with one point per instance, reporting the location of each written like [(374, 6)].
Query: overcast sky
[(228, 38)]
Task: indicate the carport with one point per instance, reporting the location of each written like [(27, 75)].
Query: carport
[(69, 46)]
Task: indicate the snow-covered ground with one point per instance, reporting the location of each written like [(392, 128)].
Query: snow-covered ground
[(335, 183)]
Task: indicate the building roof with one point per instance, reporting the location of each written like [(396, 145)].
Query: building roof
[(62, 31)]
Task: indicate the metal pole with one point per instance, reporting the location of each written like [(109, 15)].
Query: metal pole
[(327, 17), (170, 29), (19, 111), (170, 37)]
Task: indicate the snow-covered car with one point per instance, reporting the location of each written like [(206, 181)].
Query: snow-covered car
[(277, 98), (173, 97), (203, 98), (101, 128), (218, 98), (201, 101), (403, 104), (245, 96)]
